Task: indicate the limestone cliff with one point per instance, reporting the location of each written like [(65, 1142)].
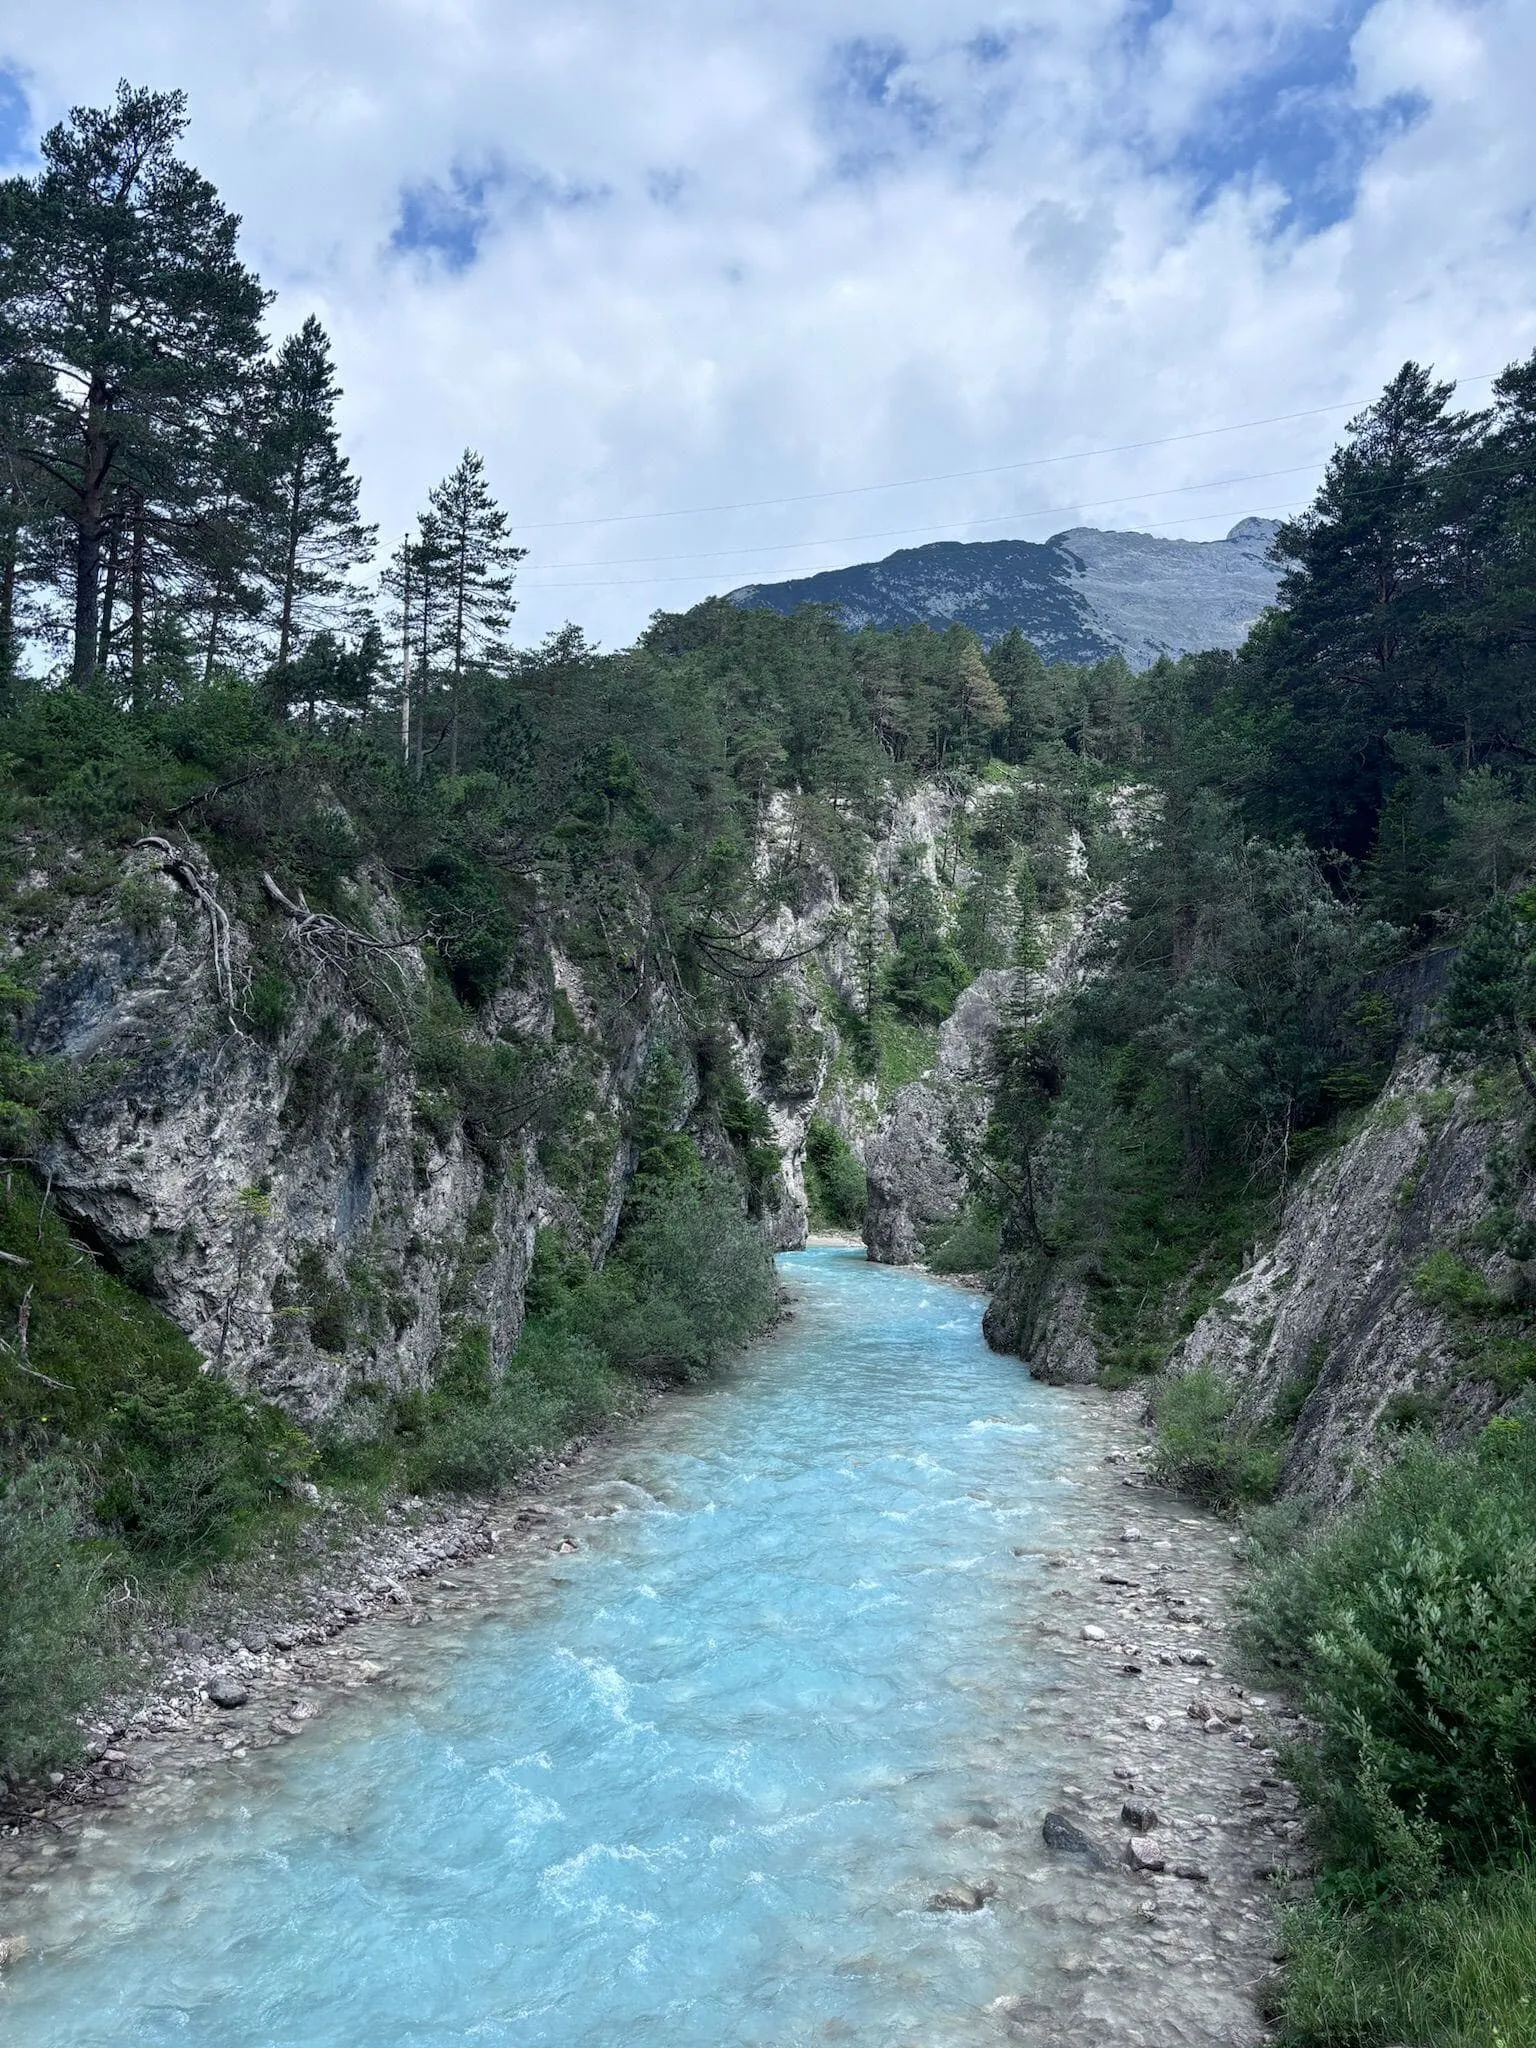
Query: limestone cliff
[(303, 1188)]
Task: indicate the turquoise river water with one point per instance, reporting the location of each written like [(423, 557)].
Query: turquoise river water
[(696, 1784)]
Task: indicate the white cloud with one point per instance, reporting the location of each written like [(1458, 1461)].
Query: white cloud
[(727, 252)]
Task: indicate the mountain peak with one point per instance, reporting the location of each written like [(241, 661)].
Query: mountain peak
[(1081, 595)]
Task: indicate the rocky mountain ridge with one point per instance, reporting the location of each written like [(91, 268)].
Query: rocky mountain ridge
[(1081, 595)]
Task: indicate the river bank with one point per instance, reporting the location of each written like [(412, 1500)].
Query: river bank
[(1097, 1682)]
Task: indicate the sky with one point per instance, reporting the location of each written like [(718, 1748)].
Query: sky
[(729, 292)]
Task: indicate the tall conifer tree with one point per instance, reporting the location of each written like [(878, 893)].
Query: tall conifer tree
[(478, 563), (123, 298), (315, 533)]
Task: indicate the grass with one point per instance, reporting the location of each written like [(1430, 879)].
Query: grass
[(1454, 1971)]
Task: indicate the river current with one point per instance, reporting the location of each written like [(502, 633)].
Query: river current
[(697, 1783)]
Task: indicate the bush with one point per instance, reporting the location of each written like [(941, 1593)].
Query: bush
[(970, 1244), (472, 1432), (691, 1281), (171, 1460), (52, 1657), (1202, 1453), (1411, 1627), (834, 1178)]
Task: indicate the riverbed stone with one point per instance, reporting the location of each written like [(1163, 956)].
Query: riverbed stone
[(1145, 1852), (963, 1898), (228, 1692), (1064, 1835)]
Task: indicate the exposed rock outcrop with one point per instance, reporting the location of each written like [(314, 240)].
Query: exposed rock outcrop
[(1329, 1320), (914, 1160)]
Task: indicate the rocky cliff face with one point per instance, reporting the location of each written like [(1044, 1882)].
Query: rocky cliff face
[(1337, 1318), (915, 1159), (306, 1199)]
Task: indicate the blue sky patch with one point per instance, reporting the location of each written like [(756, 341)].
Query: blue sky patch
[(15, 118), (875, 113), (449, 220), (1295, 124)]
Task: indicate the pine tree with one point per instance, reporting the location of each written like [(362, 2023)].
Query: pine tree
[(478, 563), (316, 536), (123, 299)]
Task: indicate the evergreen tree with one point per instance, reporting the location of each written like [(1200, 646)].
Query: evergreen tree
[(316, 536), (477, 565), (123, 299), (1335, 659)]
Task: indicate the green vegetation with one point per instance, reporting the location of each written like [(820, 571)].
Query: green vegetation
[(834, 1179), (1200, 1451), (1409, 1628)]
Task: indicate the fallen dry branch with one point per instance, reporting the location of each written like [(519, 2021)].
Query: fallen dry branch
[(184, 874), (331, 939)]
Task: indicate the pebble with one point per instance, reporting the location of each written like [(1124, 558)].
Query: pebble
[(1140, 1819), (1092, 1634)]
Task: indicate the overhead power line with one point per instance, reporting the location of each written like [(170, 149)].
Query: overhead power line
[(651, 582), (962, 475), (835, 540)]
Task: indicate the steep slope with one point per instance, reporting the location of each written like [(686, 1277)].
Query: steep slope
[(1079, 596)]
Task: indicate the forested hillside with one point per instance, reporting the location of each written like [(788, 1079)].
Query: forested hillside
[(416, 1042)]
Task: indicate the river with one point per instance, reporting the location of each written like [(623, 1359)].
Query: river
[(700, 1781)]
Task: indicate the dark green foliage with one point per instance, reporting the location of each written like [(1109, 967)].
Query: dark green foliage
[(175, 1465), (1490, 1007), (1409, 1627), (969, 1244), (834, 1178), (690, 1281), (926, 974)]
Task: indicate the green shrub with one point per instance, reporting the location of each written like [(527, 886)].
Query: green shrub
[(52, 1624), (1202, 1453), (690, 1281), (1456, 1970), (173, 1462), (970, 1243), (835, 1186), (1410, 1626), (472, 1433), (1445, 1283)]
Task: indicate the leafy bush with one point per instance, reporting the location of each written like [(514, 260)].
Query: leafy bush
[(1411, 1628), (1200, 1451), (690, 1281), (1457, 1969), (172, 1461), (472, 1432), (834, 1178)]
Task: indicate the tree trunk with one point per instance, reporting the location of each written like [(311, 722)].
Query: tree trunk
[(108, 601), (8, 587), (87, 572), (136, 603), (89, 522), (290, 571), (215, 620)]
